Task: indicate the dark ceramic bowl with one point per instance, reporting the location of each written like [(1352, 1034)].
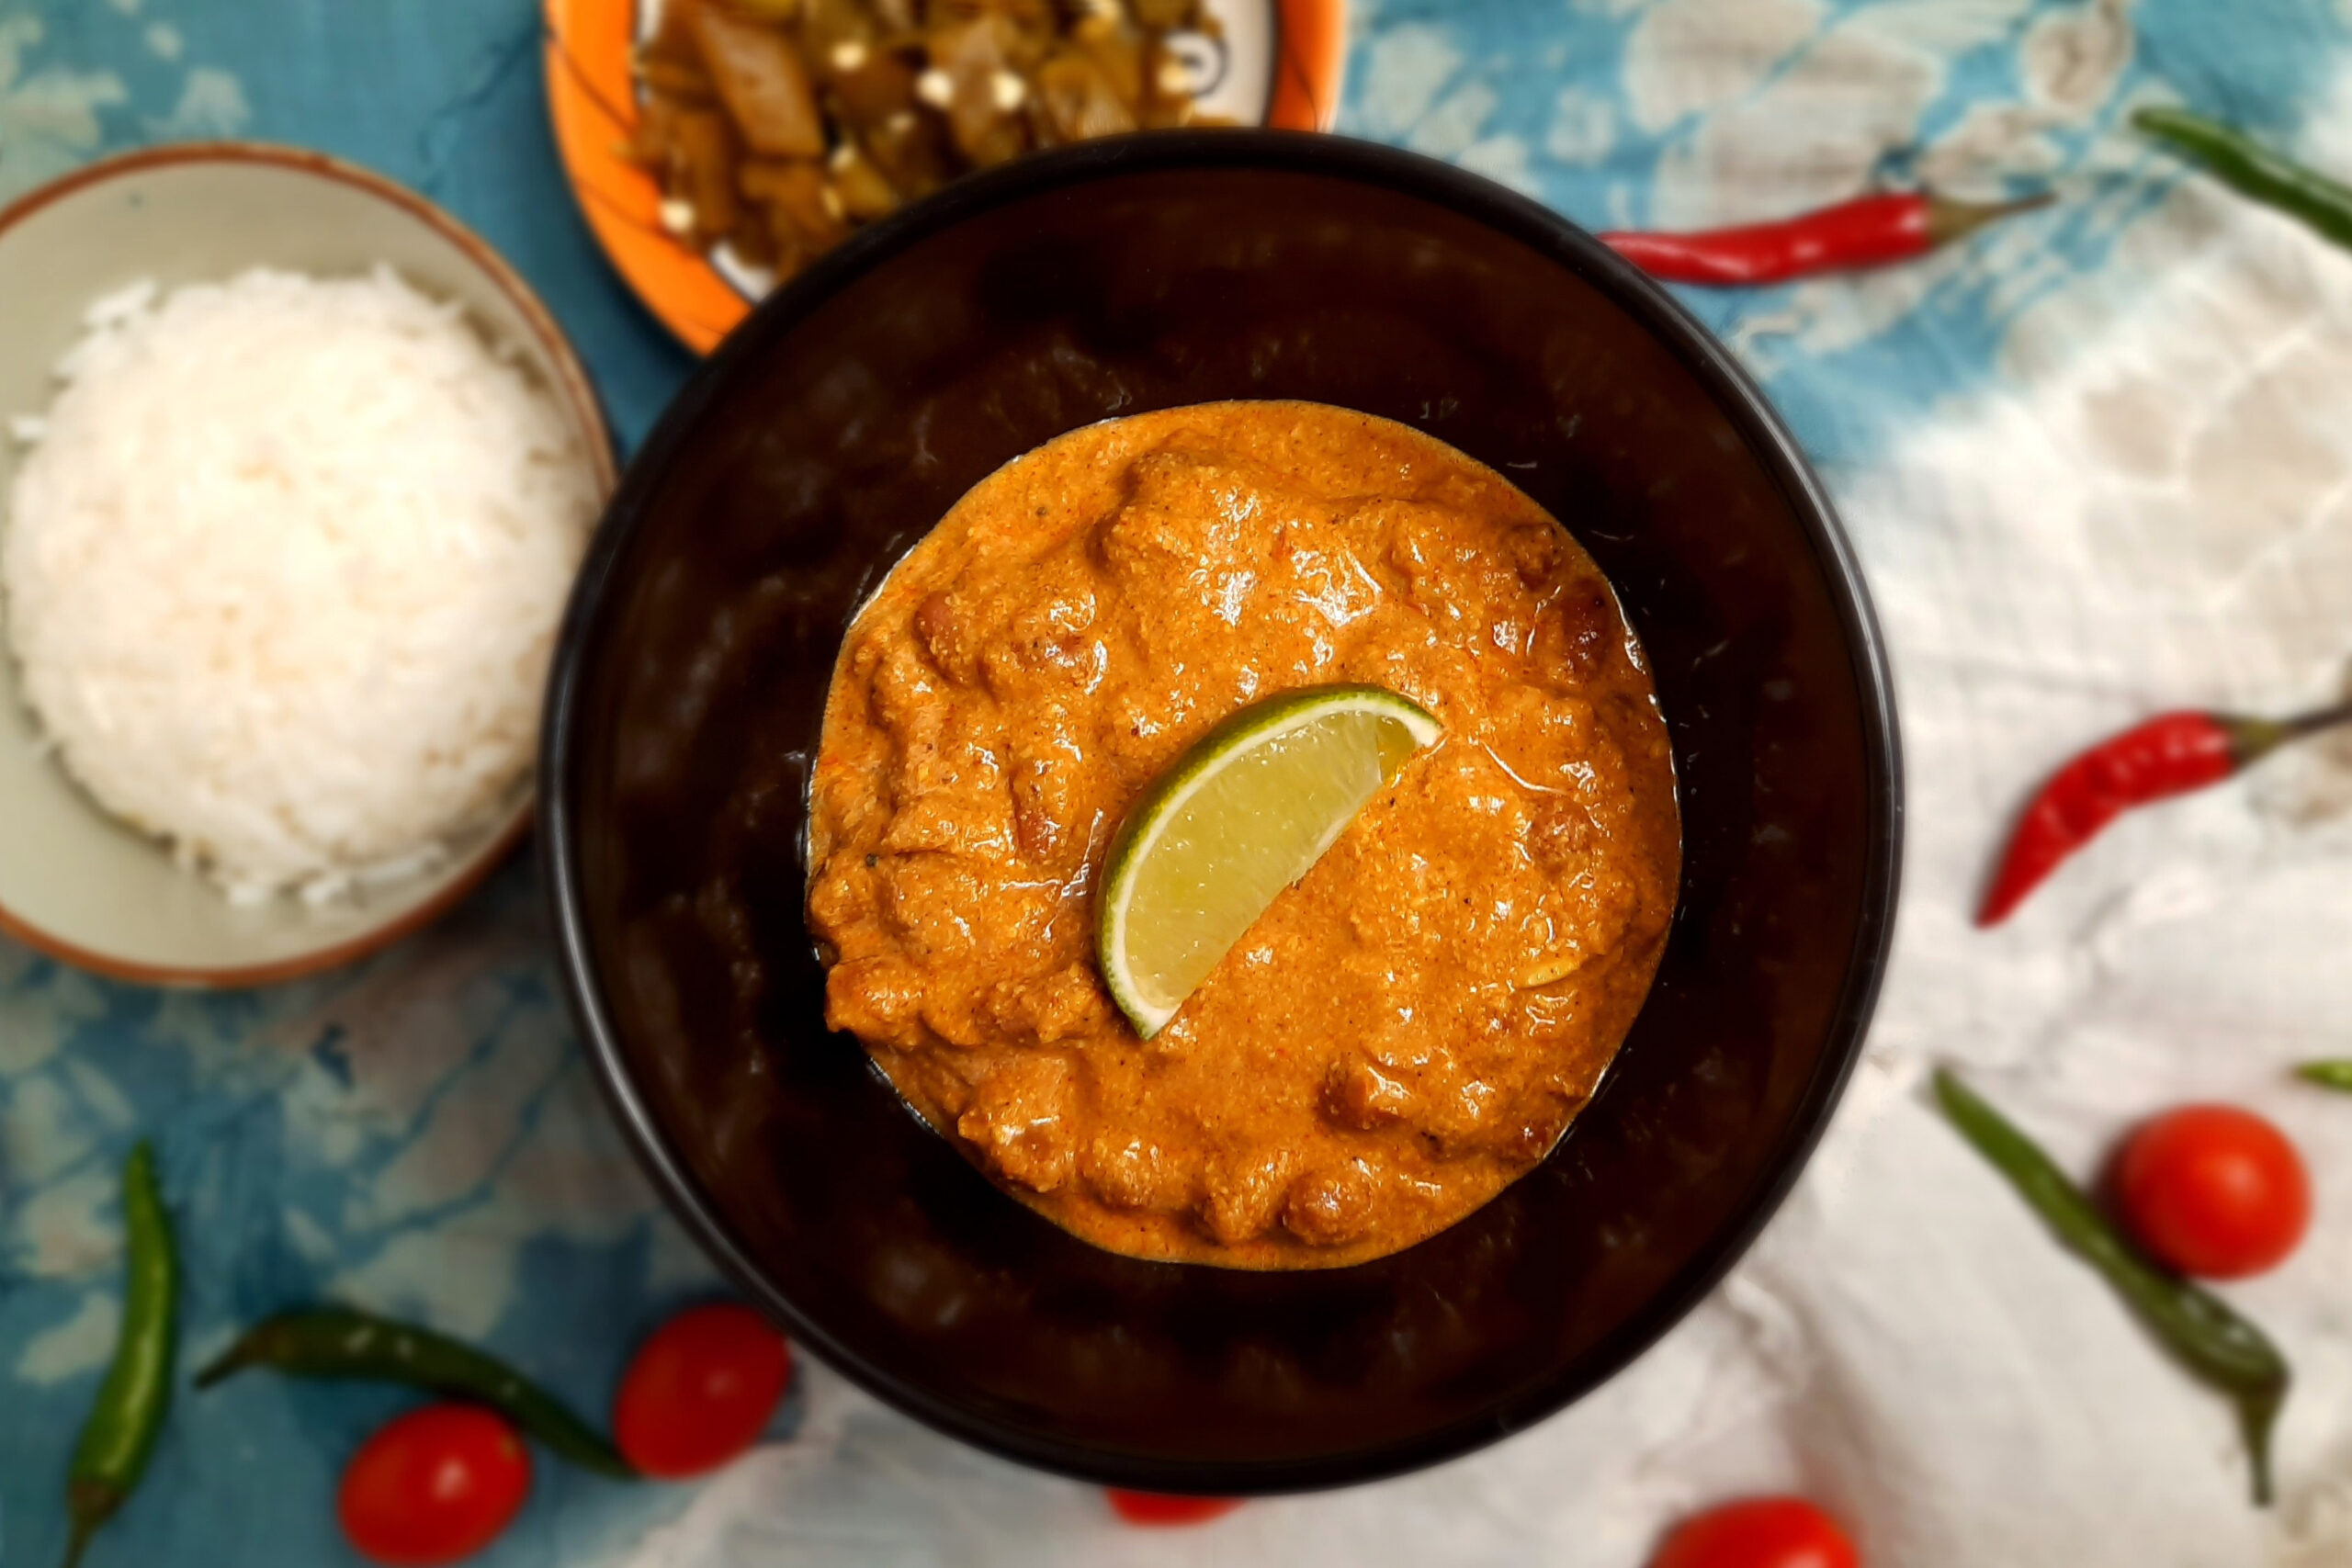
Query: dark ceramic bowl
[(838, 425)]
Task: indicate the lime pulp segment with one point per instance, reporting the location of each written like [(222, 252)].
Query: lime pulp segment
[(1245, 813)]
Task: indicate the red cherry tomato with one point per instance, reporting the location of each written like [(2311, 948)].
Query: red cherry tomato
[(2214, 1191), (700, 1391), (433, 1486), (1759, 1532), (1159, 1510)]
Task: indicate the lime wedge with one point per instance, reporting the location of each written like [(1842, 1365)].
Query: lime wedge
[(1245, 813)]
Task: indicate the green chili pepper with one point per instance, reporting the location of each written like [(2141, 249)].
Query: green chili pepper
[(2215, 1344), (2251, 169), (2335, 1074), (340, 1342), (123, 1425)]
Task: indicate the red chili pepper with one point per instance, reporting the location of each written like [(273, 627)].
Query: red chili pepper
[(1869, 231), (2174, 753), (1161, 1511)]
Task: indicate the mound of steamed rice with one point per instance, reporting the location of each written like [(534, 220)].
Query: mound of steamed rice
[(283, 570)]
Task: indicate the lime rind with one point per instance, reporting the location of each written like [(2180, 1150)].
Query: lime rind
[(1244, 736)]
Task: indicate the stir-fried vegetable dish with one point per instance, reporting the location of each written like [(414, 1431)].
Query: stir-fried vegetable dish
[(777, 126)]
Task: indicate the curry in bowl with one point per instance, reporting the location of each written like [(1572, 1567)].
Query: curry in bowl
[(836, 429), (1408, 1027)]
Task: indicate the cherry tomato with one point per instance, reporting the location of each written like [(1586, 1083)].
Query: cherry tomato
[(433, 1486), (2213, 1191), (1759, 1532), (700, 1391), (1161, 1511)]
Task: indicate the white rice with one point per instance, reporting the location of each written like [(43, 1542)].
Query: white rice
[(283, 571)]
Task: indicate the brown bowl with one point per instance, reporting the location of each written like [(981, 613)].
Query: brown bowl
[(839, 425), (76, 883)]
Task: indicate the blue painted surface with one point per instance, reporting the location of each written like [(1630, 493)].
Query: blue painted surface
[(420, 1133)]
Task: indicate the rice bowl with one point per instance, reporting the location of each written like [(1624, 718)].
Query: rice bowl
[(77, 882), (283, 570)]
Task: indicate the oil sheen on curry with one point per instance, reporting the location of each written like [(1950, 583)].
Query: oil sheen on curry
[(1406, 1029)]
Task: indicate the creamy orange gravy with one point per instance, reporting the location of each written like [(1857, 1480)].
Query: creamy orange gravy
[(1410, 1027)]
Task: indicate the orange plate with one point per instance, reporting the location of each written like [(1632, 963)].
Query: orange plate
[(592, 102)]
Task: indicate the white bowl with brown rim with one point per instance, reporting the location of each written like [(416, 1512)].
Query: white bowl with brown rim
[(74, 882)]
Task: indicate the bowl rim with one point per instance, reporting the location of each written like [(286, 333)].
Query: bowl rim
[(575, 391), (1705, 357)]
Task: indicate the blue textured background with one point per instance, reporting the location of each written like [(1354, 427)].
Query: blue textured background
[(419, 1133)]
